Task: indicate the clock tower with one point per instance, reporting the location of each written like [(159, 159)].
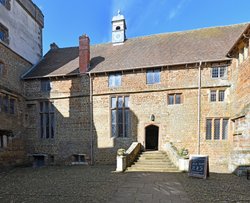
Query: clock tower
[(118, 29)]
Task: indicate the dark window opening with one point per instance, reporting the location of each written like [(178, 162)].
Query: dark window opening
[(39, 161), (45, 85), (5, 3), (79, 159), (4, 34), (120, 116), (47, 123), (118, 28), (1, 69)]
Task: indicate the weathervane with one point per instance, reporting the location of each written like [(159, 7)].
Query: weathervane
[(119, 12)]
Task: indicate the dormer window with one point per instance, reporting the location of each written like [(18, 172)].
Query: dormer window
[(115, 79)]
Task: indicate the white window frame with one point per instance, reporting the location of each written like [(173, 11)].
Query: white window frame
[(219, 72), (115, 80), (155, 74)]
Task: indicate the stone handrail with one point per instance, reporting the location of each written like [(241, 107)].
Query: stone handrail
[(125, 160), (178, 161), (132, 153)]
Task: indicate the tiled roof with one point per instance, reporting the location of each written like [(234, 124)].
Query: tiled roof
[(208, 44)]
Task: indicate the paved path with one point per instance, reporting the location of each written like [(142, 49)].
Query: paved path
[(150, 187)]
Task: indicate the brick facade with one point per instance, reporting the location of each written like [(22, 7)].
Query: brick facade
[(70, 98)]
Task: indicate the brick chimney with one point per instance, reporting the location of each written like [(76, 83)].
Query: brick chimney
[(84, 54)]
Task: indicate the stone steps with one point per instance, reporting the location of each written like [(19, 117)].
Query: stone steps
[(153, 161)]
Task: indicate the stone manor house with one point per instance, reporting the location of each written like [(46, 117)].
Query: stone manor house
[(81, 104)]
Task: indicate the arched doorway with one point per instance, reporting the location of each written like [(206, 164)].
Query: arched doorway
[(152, 137)]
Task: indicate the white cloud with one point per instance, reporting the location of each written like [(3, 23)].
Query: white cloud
[(174, 12)]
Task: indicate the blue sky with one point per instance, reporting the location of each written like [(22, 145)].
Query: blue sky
[(65, 21)]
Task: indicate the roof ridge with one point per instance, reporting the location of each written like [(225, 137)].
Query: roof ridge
[(164, 33), (191, 30)]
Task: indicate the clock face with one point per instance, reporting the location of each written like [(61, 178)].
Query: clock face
[(118, 36)]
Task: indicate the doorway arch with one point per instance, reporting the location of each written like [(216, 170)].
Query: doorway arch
[(152, 137)]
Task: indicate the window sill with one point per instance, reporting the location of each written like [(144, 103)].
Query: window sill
[(79, 163)]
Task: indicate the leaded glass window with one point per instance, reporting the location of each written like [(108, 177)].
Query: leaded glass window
[(153, 76), (120, 116), (47, 120)]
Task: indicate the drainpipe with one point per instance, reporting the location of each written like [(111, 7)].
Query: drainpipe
[(91, 118), (199, 108)]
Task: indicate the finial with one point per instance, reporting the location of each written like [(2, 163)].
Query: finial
[(119, 12)]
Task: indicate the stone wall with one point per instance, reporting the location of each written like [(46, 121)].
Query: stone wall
[(177, 123), (25, 31), (70, 97), (13, 123), (240, 154)]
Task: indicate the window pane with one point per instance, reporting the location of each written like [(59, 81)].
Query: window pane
[(113, 102), (120, 102), (150, 77), (225, 129), (47, 125), (126, 102), (46, 107), (221, 95), (1, 103), (113, 130), (215, 72), (170, 99), (41, 125), (5, 103), (178, 98), (120, 123), (113, 121), (157, 76), (41, 106), (1, 35), (12, 106), (52, 108), (209, 129), (117, 80), (217, 129), (127, 122), (213, 95), (222, 72), (1, 69), (45, 85), (52, 127), (111, 80)]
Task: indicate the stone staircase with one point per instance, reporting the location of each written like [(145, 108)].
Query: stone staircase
[(153, 161)]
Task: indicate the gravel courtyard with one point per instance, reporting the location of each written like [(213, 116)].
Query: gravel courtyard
[(100, 184)]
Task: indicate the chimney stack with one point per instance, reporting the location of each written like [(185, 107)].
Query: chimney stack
[(84, 54), (53, 46)]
